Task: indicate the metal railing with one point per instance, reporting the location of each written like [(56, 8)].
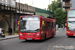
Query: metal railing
[(66, 5)]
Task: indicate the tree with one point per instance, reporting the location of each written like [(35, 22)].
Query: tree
[(60, 16), (58, 13), (26, 4), (58, 0), (55, 4)]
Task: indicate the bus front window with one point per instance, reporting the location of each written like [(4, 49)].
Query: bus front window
[(71, 26), (71, 13), (30, 24)]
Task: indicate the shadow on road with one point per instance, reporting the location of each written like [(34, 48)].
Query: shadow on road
[(71, 36), (35, 41)]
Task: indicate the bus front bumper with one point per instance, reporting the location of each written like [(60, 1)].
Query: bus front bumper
[(70, 34), (29, 38)]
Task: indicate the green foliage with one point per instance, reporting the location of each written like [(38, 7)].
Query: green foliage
[(58, 0), (5, 30), (55, 4), (16, 31), (60, 16), (58, 13), (26, 4)]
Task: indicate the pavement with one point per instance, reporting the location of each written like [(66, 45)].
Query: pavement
[(9, 37)]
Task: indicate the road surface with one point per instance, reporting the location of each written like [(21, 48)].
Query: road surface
[(59, 42)]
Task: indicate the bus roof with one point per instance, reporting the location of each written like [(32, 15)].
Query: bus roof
[(38, 16), (71, 9)]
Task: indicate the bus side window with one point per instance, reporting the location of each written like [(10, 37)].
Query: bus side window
[(54, 25), (48, 25), (43, 27)]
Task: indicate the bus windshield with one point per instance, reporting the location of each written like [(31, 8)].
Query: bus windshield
[(71, 26), (30, 24), (71, 13)]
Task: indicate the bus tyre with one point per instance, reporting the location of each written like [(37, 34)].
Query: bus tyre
[(45, 37), (52, 35)]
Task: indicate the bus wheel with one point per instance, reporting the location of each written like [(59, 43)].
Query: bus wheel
[(52, 35), (45, 37)]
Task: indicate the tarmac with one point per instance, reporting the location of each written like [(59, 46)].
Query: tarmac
[(9, 37)]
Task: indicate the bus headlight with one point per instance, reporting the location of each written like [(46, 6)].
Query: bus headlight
[(20, 34), (37, 34), (68, 31)]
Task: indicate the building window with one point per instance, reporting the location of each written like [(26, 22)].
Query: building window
[(48, 25), (63, 9)]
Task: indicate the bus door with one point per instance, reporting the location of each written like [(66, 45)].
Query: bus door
[(51, 29), (48, 29), (43, 29)]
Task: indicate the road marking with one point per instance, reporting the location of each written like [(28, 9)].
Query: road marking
[(63, 47)]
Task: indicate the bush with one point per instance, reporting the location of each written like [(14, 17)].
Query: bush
[(16, 31)]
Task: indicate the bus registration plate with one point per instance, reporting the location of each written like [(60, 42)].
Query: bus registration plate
[(29, 38)]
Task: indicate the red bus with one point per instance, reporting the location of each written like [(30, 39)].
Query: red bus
[(32, 27), (70, 28)]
